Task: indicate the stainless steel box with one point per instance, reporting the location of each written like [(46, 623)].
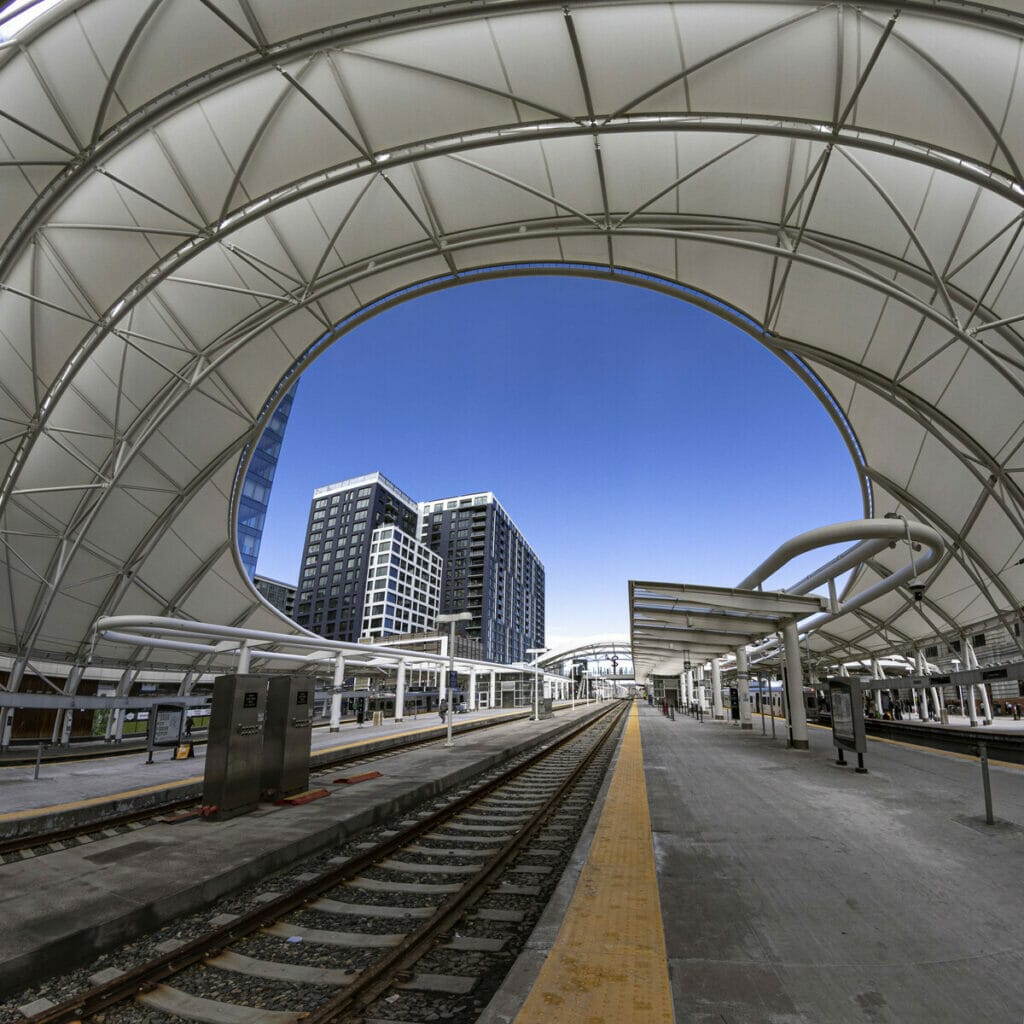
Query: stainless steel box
[(234, 746), (287, 736)]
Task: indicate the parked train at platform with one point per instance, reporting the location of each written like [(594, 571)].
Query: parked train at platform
[(770, 699)]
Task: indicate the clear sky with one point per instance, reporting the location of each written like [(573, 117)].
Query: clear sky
[(628, 434)]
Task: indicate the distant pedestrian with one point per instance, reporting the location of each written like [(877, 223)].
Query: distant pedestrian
[(442, 710), (188, 726)]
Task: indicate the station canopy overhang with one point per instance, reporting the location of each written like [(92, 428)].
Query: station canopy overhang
[(198, 198), (676, 627)]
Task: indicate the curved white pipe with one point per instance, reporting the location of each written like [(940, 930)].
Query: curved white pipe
[(153, 627), (873, 535), (879, 531)]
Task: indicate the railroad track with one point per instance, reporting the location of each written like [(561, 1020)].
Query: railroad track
[(420, 924), (40, 844)]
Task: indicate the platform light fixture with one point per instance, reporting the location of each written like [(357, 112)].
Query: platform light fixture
[(536, 652), (451, 618)]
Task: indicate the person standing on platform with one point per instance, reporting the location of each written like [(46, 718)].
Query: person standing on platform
[(442, 709)]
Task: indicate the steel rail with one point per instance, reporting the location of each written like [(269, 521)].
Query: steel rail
[(379, 976), (150, 974), (37, 839)]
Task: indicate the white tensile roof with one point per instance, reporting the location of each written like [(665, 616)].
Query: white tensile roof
[(195, 192)]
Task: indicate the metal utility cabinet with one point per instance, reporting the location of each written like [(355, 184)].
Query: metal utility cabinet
[(287, 736), (235, 744)]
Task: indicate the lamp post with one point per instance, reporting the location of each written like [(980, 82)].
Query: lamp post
[(537, 652), (451, 618)]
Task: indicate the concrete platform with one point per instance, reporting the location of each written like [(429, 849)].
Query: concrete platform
[(794, 890), (73, 792), (608, 961), (63, 908)]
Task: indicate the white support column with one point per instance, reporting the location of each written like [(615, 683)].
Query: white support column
[(442, 674), (115, 723), (702, 690), (936, 702), (716, 690), (63, 719), (877, 673), (185, 686), (494, 689), (921, 670), (243, 658), (743, 688), (688, 686), (16, 675), (472, 689), (986, 705), (971, 710), (337, 687), (795, 689), (972, 662), (14, 679), (971, 656), (400, 692)]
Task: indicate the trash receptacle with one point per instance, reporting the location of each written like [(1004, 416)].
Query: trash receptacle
[(378, 718)]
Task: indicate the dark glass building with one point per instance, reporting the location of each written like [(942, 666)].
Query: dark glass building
[(252, 505), (336, 556), (489, 571), (280, 595)]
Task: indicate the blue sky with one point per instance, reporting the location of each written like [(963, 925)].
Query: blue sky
[(629, 435)]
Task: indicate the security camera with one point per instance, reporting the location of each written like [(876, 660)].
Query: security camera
[(916, 587)]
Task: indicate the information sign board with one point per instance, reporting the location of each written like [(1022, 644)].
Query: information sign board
[(847, 715), (165, 723)]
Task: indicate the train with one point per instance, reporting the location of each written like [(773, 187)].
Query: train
[(770, 699)]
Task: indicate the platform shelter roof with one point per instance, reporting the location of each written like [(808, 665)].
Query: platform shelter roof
[(199, 197), (675, 627)]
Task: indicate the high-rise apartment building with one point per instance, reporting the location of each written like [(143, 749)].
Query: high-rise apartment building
[(377, 565), (403, 585), (336, 556), (259, 477), (490, 571)]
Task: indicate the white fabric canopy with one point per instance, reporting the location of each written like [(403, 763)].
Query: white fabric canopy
[(195, 192)]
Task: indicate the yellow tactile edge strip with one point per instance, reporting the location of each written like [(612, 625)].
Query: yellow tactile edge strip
[(608, 962)]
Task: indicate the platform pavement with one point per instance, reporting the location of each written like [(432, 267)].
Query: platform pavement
[(61, 909), (794, 890), (67, 785)]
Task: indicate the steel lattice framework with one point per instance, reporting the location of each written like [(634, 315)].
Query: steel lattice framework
[(199, 195)]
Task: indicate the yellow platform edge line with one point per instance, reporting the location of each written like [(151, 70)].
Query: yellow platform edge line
[(608, 963), (91, 801)]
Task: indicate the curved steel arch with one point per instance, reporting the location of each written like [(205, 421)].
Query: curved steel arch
[(658, 216)]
